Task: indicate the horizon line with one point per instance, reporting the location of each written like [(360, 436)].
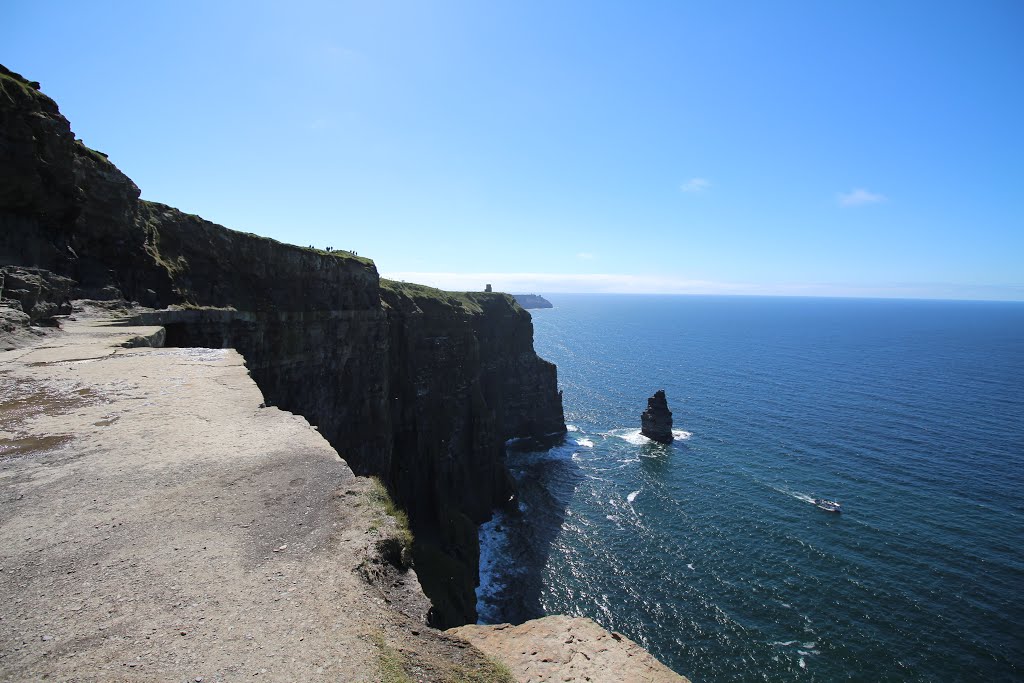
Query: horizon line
[(626, 284)]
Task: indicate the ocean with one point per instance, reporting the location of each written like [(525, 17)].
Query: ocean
[(710, 552)]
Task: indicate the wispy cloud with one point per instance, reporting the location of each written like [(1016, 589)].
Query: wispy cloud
[(585, 255), (696, 185), (859, 197)]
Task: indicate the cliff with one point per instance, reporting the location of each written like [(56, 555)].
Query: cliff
[(159, 523), (532, 301), (419, 386)]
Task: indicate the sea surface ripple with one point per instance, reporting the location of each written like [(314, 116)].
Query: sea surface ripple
[(710, 552)]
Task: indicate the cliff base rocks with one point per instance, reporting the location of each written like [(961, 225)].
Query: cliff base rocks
[(656, 421)]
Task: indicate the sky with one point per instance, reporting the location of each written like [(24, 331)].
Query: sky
[(796, 148)]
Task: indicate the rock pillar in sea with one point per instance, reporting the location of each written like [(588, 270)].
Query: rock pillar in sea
[(656, 421)]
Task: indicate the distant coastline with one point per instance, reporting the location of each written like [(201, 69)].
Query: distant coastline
[(532, 301)]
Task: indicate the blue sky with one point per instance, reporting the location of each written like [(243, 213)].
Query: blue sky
[(812, 148)]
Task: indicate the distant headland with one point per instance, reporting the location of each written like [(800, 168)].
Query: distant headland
[(532, 301)]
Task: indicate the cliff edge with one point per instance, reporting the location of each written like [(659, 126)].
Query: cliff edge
[(164, 516), (532, 301), (159, 522), (418, 386), (561, 648)]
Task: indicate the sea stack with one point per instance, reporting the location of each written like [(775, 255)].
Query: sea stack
[(656, 421)]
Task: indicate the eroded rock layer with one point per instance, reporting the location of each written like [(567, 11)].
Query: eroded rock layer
[(419, 386)]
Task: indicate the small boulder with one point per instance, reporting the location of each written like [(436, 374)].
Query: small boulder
[(656, 421)]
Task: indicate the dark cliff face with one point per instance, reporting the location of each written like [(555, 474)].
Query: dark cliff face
[(419, 386)]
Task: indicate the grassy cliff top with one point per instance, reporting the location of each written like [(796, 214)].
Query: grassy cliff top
[(13, 78), (471, 302)]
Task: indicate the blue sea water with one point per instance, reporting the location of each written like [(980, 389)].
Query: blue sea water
[(710, 552)]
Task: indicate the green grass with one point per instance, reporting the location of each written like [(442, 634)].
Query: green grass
[(11, 80), (379, 495), (491, 671), (393, 666), (93, 154), (397, 534), (390, 662), (471, 302), (341, 253)]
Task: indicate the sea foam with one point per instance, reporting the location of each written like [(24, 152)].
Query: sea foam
[(634, 436)]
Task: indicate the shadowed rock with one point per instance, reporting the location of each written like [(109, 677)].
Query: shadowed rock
[(656, 421)]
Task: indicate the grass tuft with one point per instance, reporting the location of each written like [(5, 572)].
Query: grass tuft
[(397, 539), (390, 662), (491, 671)]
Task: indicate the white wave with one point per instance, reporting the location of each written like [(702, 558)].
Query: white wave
[(632, 496), (634, 436), (809, 646), (493, 537), (586, 443), (786, 643), (795, 494), (612, 518), (803, 664)]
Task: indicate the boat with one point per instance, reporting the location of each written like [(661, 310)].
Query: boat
[(828, 505)]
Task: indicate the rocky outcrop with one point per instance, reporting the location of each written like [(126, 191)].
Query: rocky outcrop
[(532, 301), (39, 294), (419, 386), (656, 421), (560, 648)]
